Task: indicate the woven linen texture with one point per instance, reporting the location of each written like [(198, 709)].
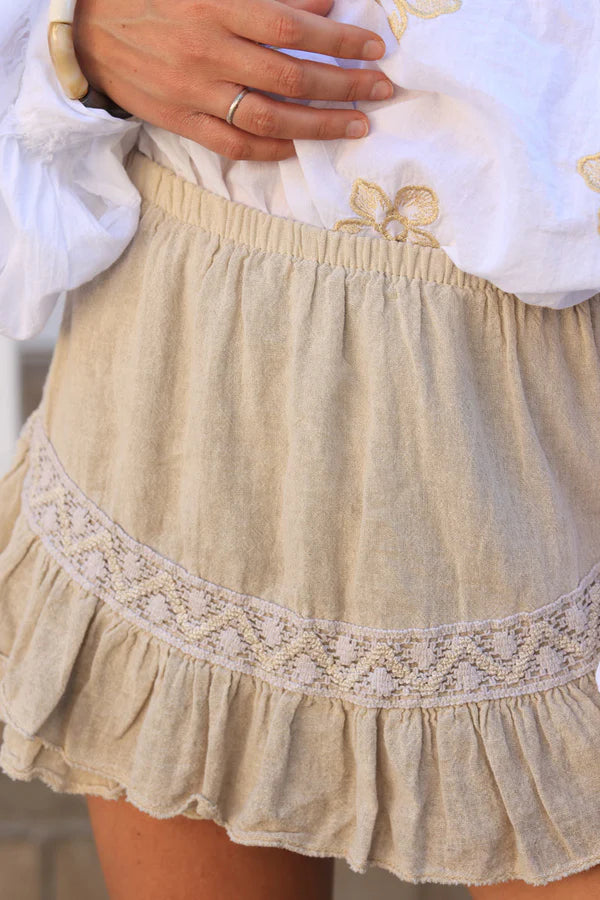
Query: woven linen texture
[(438, 666)]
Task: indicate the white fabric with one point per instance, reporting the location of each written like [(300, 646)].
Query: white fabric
[(67, 207), (491, 112)]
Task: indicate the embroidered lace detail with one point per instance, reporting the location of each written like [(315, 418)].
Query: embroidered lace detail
[(424, 9), (439, 666), (398, 220), (589, 168)]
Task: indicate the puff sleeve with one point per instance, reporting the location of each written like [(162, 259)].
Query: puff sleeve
[(67, 206)]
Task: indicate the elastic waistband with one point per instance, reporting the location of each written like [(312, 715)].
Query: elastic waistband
[(241, 224)]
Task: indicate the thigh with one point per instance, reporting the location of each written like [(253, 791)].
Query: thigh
[(187, 859), (582, 886)]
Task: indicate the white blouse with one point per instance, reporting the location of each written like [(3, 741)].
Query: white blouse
[(490, 149)]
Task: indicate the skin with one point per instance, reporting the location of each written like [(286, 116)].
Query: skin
[(179, 64), (583, 886), (185, 859)]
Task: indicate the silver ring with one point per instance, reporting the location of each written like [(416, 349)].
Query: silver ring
[(235, 104)]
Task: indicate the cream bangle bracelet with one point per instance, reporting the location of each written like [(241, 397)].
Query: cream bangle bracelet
[(62, 52)]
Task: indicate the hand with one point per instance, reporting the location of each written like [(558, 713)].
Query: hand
[(179, 64)]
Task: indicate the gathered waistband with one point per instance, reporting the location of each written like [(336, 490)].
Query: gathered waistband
[(232, 221)]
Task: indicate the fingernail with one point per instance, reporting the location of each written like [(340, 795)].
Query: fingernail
[(357, 128), (381, 91), (373, 50)]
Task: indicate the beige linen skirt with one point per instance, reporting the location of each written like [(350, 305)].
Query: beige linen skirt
[(304, 538)]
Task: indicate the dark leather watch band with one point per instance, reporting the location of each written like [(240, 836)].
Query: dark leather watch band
[(96, 100)]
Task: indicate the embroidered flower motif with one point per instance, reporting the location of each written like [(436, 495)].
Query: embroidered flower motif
[(198, 602), (423, 654), (231, 642), (550, 660), (589, 168), (306, 669), (272, 630), (467, 676), (381, 682), (413, 206), (79, 521), (424, 9), (50, 519), (504, 644), (93, 566), (158, 608), (576, 619), (131, 566), (345, 649)]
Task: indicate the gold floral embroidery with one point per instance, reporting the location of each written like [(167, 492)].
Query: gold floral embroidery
[(413, 206), (425, 9), (589, 168)]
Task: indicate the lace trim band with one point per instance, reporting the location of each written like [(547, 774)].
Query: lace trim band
[(438, 666)]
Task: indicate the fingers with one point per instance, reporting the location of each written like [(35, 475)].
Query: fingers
[(278, 73), (230, 141), (281, 25), (266, 117), (209, 131), (319, 7)]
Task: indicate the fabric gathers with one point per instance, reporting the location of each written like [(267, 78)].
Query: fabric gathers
[(496, 163), (307, 545)]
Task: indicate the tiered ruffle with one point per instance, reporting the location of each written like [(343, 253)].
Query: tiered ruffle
[(94, 703)]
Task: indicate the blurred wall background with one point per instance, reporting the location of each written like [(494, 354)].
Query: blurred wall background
[(47, 850)]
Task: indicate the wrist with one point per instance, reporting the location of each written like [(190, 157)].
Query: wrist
[(68, 71)]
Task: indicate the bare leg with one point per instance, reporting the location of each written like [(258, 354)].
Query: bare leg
[(583, 886), (187, 859)]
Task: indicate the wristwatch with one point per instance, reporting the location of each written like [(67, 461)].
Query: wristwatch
[(67, 68)]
